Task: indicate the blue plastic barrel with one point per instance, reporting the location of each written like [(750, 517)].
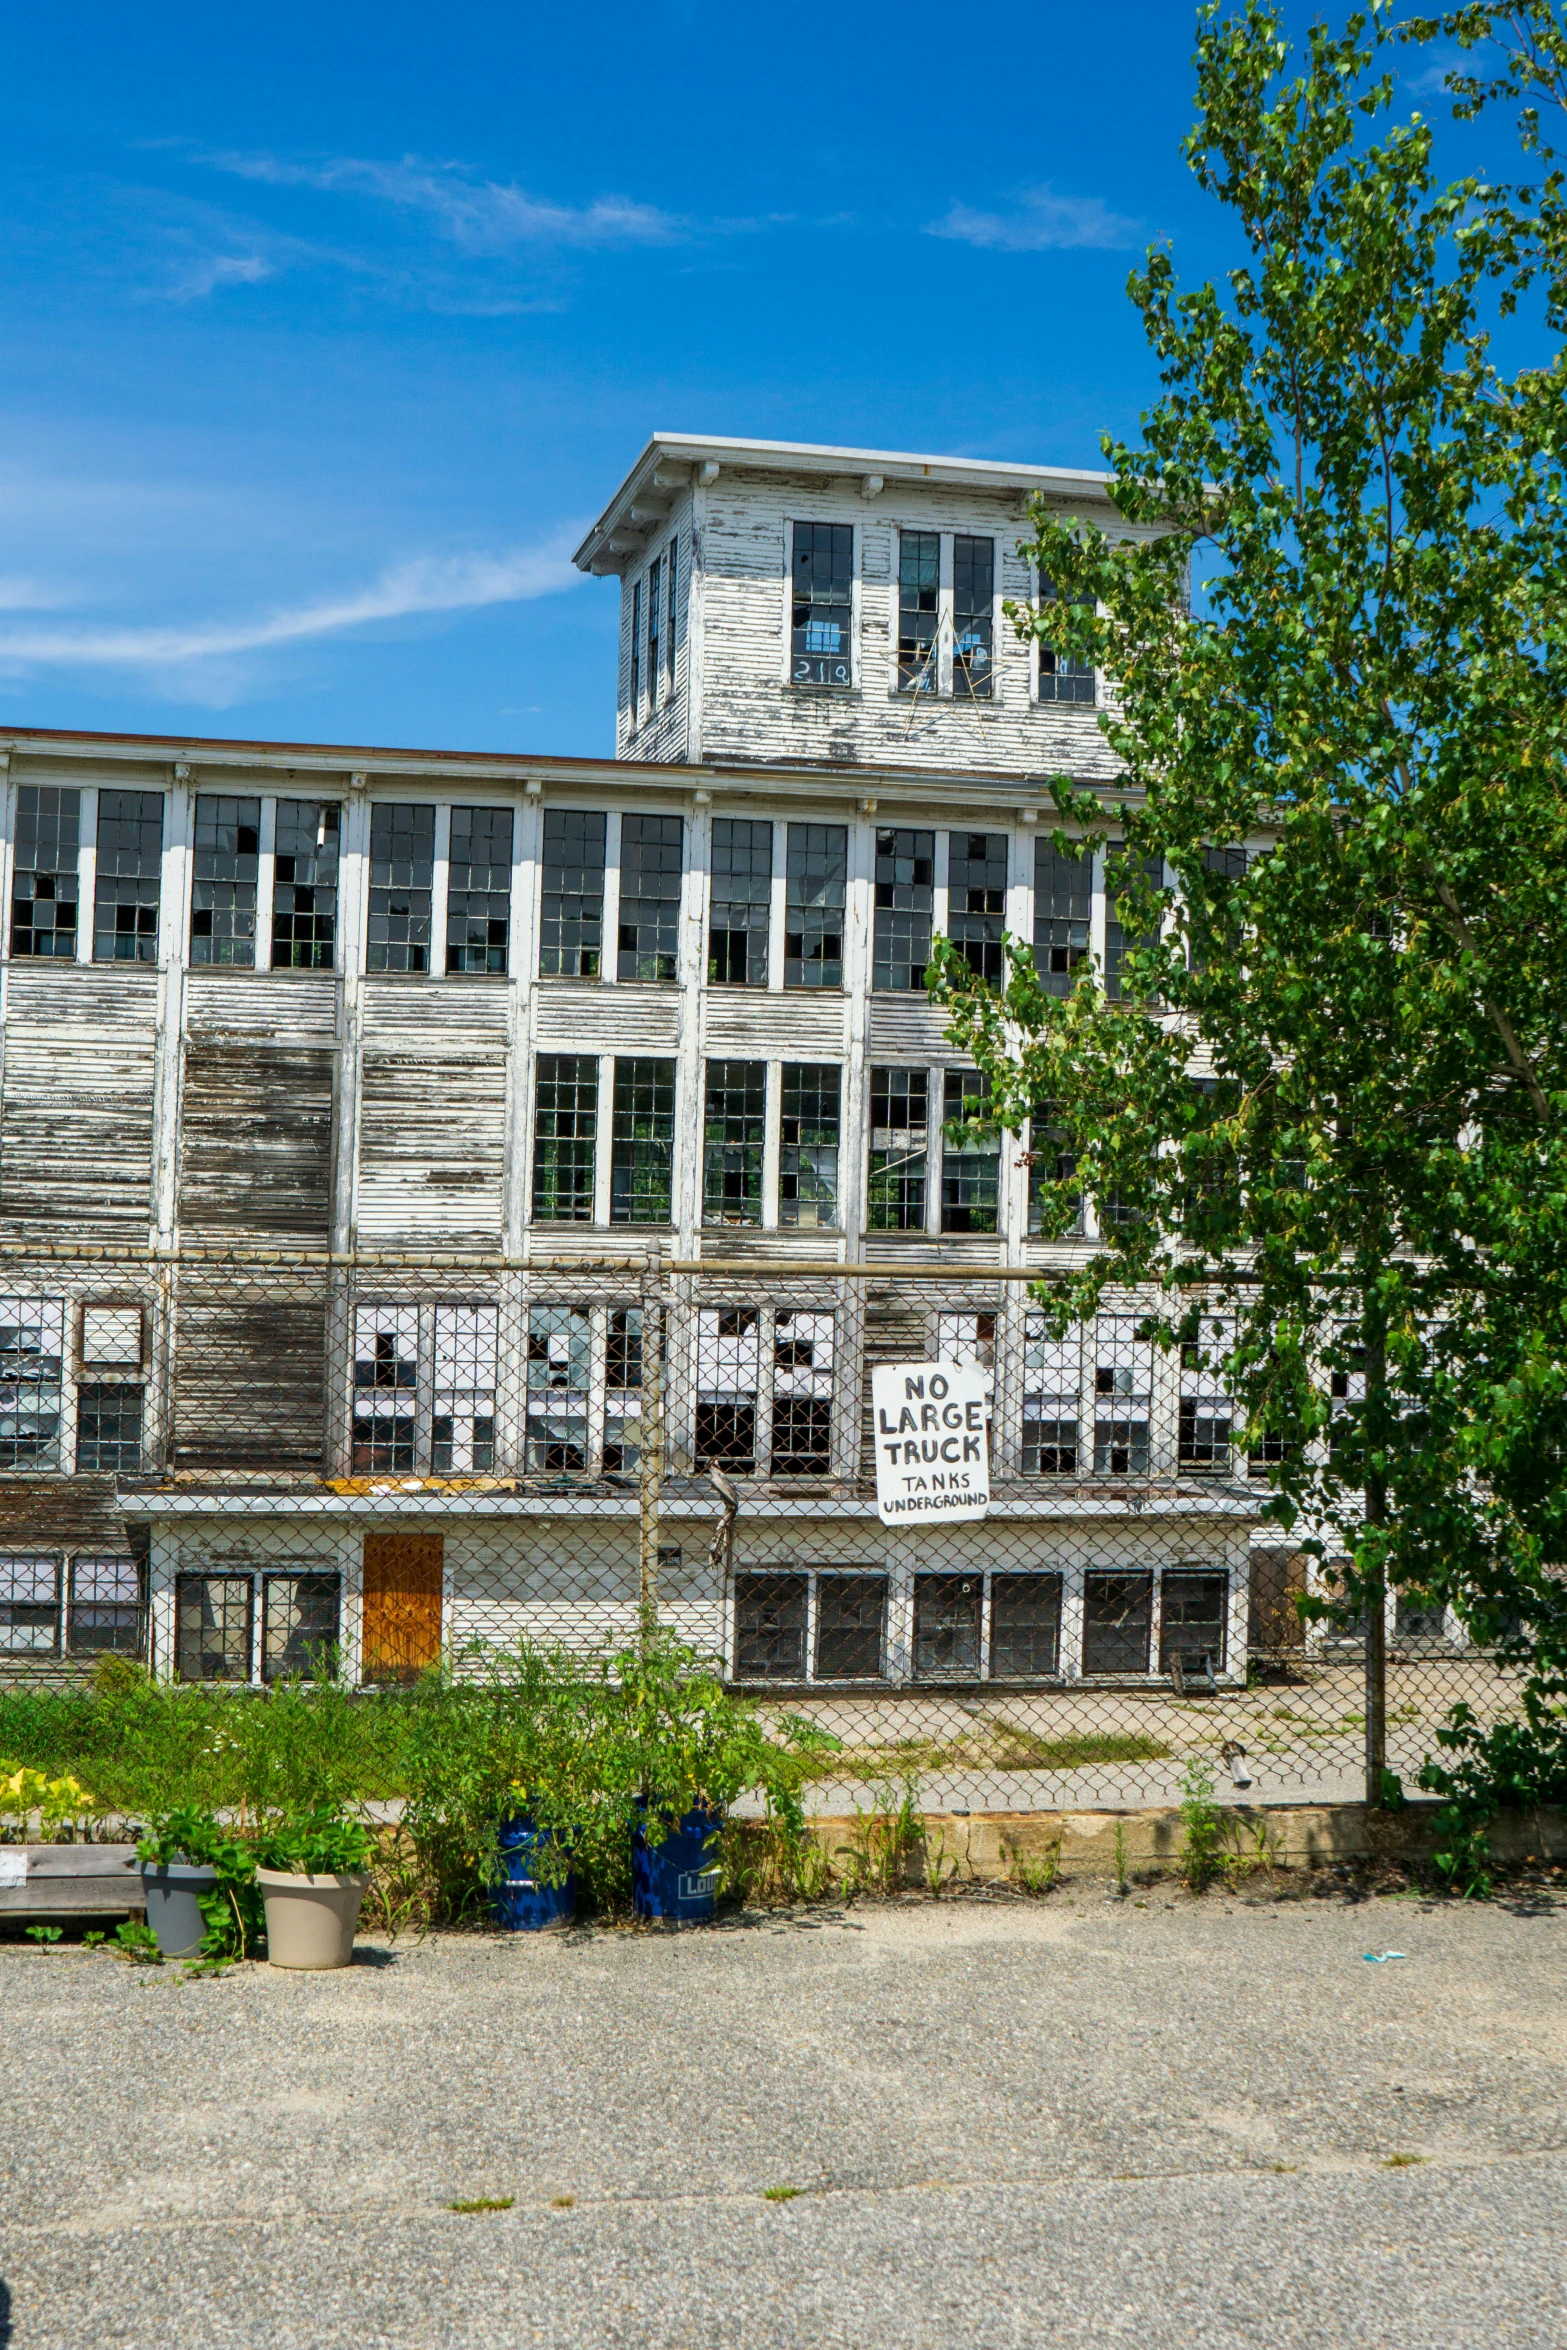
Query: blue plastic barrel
[(677, 1877), (523, 1901)]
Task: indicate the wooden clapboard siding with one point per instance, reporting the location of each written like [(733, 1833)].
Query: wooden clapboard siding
[(256, 1143), (748, 712), (577, 1017), (76, 1132), (250, 1386), (904, 1027), (750, 1023), (401, 1628)]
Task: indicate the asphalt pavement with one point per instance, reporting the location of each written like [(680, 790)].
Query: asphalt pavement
[(923, 2126)]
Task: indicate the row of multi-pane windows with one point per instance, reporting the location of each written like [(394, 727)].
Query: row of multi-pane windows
[(946, 616), (107, 1391), (250, 855), (81, 1606), (654, 613), (831, 1624)]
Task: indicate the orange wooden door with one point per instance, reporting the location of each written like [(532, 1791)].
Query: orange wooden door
[(402, 1616)]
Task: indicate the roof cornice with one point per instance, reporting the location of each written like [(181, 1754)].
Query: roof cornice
[(671, 459)]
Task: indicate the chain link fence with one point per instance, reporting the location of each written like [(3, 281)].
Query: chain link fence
[(239, 1468)]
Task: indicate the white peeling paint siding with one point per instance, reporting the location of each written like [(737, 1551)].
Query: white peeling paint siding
[(738, 579)]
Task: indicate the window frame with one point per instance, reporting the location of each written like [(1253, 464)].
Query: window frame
[(797, 664)]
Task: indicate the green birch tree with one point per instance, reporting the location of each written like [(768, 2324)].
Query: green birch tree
[(1325, 1091)]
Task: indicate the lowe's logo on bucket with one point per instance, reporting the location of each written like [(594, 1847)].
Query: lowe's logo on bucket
[(698, 1884)]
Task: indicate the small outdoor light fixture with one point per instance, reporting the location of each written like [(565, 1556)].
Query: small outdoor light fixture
[(1235, 1756)]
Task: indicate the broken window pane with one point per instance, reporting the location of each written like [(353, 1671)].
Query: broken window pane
[(130, 860), (967, 1338), (478, 890), (650, 871), (1062, 676), (808, 1143), (571, 929), (635, 695), (32, 1346), (802, 1394), (1052, 1376), (560, 1356), (970, 1162), (402, 879), (919, 596), (821, 637), (946, 1627), (29, 1606), (642, 1145), (564, 1127), (977, 899), (905, 894), (770, 1620), (1025, 1627), (108, 1429), (741, 906), (1119, 942), (898, 1148), (1123, 1387), (1063, 901), (299, 1626), (818, 868), (44, 888), (225, 861), (107, 1617), (735, 1129), (212, 1627), (973, 616), (462, 1431), (1051, 1161), (623, 1390), (1117, 1623), (672, 574), (1192, 1613), (851, 1622), (1206, 1409), (728, 1381), (386, 1390), (304, 885)]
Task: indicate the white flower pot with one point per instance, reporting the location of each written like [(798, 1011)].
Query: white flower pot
[(311, 1920)]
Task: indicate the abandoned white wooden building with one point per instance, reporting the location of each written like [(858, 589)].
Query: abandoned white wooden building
[(463, 1039)]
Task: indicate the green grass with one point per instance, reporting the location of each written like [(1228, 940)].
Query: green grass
[(781, 2194), (485, 2203), (140, 1746)]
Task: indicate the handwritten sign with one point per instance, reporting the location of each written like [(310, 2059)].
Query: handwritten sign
[(932, 1449)]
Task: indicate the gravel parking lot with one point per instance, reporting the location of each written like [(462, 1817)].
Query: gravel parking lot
[(1077, 2121)]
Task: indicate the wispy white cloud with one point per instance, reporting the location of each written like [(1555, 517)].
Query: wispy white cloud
[(427, 584), (1432, 82), (1041, 222), (482, 216), (192, 279)]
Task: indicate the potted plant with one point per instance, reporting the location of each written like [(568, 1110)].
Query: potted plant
[(502, 1787), (312, 1869), (199, 1884), (692, 1748)]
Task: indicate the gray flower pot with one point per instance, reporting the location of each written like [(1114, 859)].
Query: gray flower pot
[(173, 1911)]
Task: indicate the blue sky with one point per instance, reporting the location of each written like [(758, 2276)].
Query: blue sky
[(328, 328)]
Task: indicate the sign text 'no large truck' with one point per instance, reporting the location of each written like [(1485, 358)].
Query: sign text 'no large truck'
[(932, 1449)]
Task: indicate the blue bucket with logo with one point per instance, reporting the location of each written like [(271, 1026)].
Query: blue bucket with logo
[(677, 1877), (524, 1900)]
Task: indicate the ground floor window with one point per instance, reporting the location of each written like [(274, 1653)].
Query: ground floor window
[(71, 1607), (821, 1624), (244, 1625)]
